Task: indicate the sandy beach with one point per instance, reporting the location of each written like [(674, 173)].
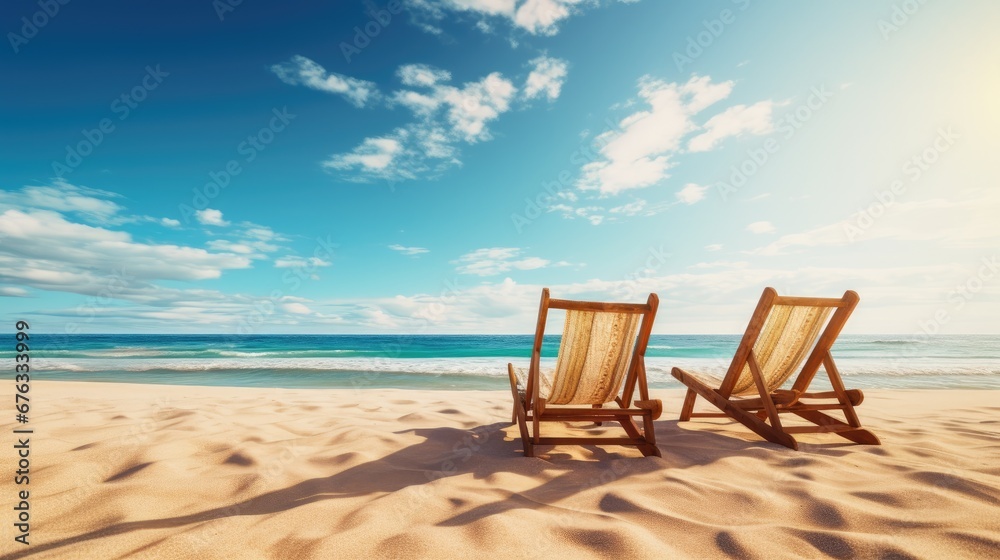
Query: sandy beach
[(151, 471)]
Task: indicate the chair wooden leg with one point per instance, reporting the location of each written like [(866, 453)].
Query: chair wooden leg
[(743, 417), (649, 433), (688, 407), (513, 391), (522, 426), (647, 449), (519, 415), (859, 435)]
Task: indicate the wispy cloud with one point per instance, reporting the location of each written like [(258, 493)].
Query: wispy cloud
[(409, 251), (48, 250), (446, 116), (299, 262), (11, 291), (760, 227), (301, 71), (92, 205), (737, 120), (642, 150), (296, 308), (497, 260), (43, 249), (536, 17)]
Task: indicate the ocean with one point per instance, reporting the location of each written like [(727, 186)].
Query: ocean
[(466, 361)]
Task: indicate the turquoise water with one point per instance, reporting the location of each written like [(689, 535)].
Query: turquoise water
[(466, 361)]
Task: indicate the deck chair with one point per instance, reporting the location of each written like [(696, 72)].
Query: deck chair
[(784, 334), (600, 362)]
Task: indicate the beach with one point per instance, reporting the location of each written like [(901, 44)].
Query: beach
[(121, 470)]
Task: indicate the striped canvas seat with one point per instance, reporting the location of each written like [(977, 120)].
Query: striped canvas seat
[(594, 356), (788, 336)]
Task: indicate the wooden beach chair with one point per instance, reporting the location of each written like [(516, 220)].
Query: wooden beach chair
[(600, 362), (783, 333)]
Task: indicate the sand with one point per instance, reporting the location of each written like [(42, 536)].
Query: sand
[(148, 471)]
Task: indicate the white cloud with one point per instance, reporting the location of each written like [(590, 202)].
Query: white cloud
[(821, 236), (496, 260), (296, 308), (542, 16), (473, 106), (40, 248), (170, 222), (760, 227), (89, 204), (230, 246), (373, 156), (210, 217), (734, 121), (10, 291), (422, 75), (248, 239), (302, 71), (537, 17), (691, 193), (713, 247), (707, 297), (409, 251), (640, 154), (546, 78), (710, 297), (630, 209), (720, 264), (299, 262), (44, 250), (446, 116), (593, 214)]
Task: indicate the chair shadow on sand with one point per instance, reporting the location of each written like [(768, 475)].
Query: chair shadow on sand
[(452, 452)]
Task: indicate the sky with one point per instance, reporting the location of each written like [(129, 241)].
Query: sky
[(427, 166)]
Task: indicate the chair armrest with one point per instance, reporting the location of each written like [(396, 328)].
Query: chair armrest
[(655, 405)]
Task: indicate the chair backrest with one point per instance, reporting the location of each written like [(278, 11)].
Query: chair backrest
[(782, 334), (601, 349)]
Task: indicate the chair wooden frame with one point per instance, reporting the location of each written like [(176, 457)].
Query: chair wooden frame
[(762, 413), (531, 410)]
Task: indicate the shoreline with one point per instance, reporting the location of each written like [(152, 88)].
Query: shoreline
[(184, 471)]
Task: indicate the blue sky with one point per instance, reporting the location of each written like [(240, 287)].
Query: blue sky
[(427, 166)]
